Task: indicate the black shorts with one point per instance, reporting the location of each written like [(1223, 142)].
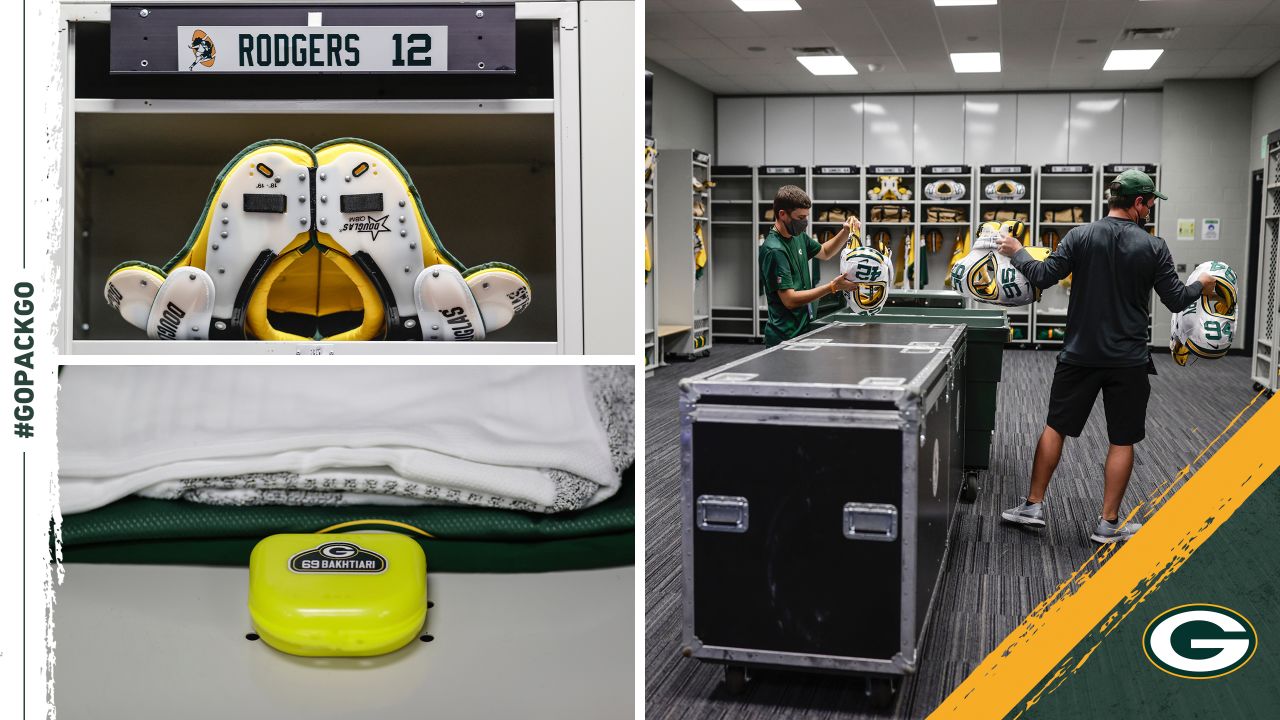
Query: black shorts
[(1124, 396)]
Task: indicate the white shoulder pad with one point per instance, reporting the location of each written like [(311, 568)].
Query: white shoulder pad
[(132, 290), (262, 204), (183, 308), (500, 294), (364, 206), (446, 308)]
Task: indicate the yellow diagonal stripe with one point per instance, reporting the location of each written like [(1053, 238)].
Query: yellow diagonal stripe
[(1036, 656)]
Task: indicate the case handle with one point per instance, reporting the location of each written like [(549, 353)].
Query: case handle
[(722, 513), (870, 521)]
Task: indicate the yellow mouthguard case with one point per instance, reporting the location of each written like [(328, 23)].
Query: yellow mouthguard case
[(337, 595)]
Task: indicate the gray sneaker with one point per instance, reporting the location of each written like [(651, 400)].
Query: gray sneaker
[(1110, 532), (1026, 514)]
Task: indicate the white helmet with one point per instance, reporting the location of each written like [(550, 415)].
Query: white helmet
[(1005, 189), (987, 276), (1207, 326), (944, 190), (873, 271)]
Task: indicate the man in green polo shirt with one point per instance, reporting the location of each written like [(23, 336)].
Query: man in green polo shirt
[(784, 265)]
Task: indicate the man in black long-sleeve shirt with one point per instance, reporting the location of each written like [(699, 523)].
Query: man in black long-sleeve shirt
[(1114, 263)]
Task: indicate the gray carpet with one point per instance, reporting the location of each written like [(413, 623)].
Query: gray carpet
[(996, 573)]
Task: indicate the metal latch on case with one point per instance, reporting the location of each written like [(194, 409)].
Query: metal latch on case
[(722, 513), (870, 521)]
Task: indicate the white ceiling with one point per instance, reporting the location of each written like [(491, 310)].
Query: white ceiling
[(707, 41)]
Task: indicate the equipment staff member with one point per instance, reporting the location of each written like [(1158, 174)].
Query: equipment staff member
[(1115, 263), (784, 265)]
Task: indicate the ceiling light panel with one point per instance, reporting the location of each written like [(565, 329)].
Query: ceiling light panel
[(828, 64), (1132, 59), (978, 62), (767, 5)]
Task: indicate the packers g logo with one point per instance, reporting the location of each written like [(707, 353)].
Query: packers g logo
[(1223, 301), (982, 278), (1199, 641), (869, 295)]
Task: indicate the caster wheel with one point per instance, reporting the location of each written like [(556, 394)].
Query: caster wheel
[(1257, 387), (880, 692), (969, 491), (735, 679)]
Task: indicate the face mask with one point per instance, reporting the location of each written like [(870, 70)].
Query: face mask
[(795, 226)]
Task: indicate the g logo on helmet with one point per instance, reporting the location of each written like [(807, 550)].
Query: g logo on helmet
[(873, 271), (1199, 641), (989, 277), (1206, 327)]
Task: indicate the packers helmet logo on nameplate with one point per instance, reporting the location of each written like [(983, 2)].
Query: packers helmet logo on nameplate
[(203, 49)]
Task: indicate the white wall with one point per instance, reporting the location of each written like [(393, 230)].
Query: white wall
[(684, 114), (980, 128), (609, 129), (1205, 173), (1266, 112)]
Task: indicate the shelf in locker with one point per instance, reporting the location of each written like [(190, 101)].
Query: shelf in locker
[(985, 201), (1056, 224), (732, 222), (731, 202), (941, 202), (938, 224), (1056, 201), (666, 330)]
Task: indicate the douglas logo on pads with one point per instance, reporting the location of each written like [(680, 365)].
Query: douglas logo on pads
[(338, 557)]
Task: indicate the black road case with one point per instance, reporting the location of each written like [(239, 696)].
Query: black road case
[(820, 478)]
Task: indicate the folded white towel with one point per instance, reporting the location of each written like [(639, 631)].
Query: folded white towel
[(543, 438)]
